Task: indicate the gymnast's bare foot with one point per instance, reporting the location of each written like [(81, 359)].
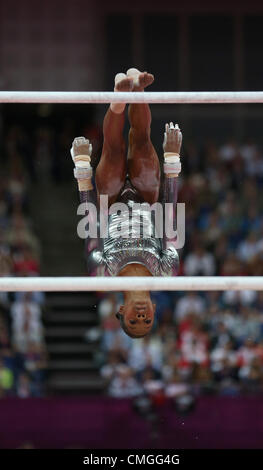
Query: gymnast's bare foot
[(141, 80), (122, 83)]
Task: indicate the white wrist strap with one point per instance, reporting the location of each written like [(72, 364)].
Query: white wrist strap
[(82, 173), (81, 161), (172, 163), (171, 156)]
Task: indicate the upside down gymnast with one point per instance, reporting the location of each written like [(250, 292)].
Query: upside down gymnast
[(130, 178)]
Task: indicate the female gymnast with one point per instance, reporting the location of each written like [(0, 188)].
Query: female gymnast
[(130, 179)]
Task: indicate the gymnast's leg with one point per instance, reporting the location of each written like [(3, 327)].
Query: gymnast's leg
[(112, 168), (143, 162)]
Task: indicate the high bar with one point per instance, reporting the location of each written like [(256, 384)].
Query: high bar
[(180, 283), (193, 97)]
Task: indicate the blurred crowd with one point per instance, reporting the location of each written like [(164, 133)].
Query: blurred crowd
[(222, 190), (31, 157), (23, 354), (201, 342)]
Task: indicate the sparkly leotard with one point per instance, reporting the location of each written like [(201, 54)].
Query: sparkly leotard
[(111, 254)]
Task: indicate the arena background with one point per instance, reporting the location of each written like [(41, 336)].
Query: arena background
[(68, 375)]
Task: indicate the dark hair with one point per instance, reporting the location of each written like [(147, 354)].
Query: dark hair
[(125, 329)]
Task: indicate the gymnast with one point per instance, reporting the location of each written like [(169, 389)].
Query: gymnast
[(132, 178)]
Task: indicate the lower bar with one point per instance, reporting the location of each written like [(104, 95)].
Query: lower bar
[(70, 284)]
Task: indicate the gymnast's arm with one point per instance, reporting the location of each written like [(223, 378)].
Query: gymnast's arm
[(172, 167), (88, 227)]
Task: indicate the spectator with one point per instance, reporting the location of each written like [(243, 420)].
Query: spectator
[(145, 352), (199, 263), (248, 248), (23, 388), (26, 262), (114, 361), (124, 384), (176, 387), (189, 303), (26, 323), (228, 151)]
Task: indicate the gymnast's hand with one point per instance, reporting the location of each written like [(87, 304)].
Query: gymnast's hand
[(81, 146), (172, 138)]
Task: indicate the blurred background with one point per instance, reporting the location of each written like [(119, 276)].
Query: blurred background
[(69, 377)]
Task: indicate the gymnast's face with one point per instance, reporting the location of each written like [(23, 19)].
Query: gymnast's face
[(138, 317)]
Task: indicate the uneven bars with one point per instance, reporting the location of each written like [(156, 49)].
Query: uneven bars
[(70, 284), (192, 97)]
